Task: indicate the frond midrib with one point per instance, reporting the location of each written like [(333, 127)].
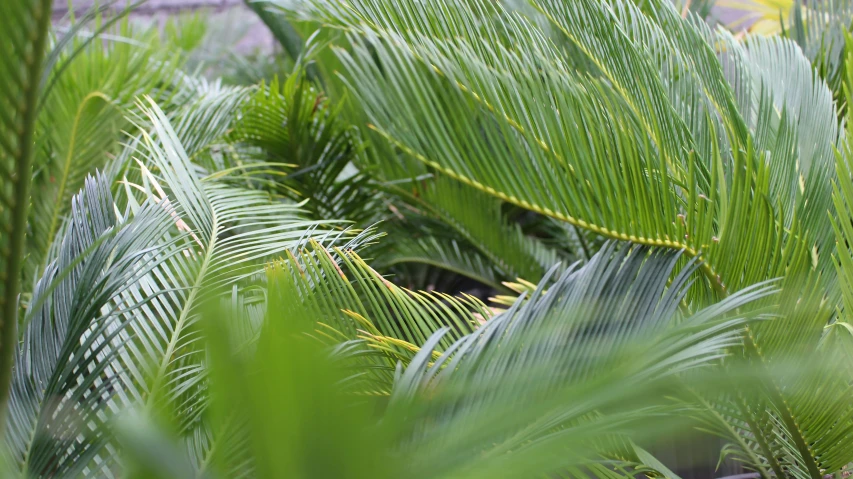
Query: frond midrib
[(704, 266), (66, 171)]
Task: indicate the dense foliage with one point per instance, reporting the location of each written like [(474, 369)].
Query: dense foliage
[(438, 238)]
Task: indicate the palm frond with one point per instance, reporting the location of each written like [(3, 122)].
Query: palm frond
[(479, 219), (450, 225), (69, 363), (83, 118), (490, 117), (779, 427), (211, 238), (819, 28), (521, 395), (291, 123), (359, 302), (577, 329), (796, 121), (711, 153), (231, 232), (841, 329), (431, 246)]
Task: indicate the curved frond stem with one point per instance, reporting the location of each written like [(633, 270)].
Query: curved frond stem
[(31, 51), (66, 169), (515, 125), (707, 270)]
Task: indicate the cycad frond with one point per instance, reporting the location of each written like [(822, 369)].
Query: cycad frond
[(291, 123), (430, 245), (231, 232), (563, 340), (710, 153), (478, 218), (658, 162), (793, 116), (544, 388), (70, 364), (356, 299), (83, 119), (135, 342), (842, 329), (450, 225)]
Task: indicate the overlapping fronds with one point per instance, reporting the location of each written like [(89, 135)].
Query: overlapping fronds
[(548, 387), (71, 363), (209, 277), (354, 299), (231, 232), (291, 124), (723, 150), (842, 328), (450, 225), (429, 245), (211, 238), (588, 330), (817, 26), (331, 295), (793, 115), (535, 390), (482, 95), (84, 117)]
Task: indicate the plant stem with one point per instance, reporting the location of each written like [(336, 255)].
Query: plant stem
[(20, 179), (714, 279)]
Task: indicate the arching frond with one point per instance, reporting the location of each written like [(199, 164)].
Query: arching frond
[(519, 395), (69, 368), (450, 225), (83, 119), (711, 152), (532, 391), (659, 162), (356, 299), (231, 232), (135, 343)]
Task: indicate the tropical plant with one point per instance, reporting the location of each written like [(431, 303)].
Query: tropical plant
[(211, 281), (25, 27)]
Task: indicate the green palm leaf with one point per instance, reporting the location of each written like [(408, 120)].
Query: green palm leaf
[(291, 123), (135, 343), (353, 298), (522, 395), (83, 118), (231, 232), (69, 364), (450, 225), (659, 163), (711, 153)]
